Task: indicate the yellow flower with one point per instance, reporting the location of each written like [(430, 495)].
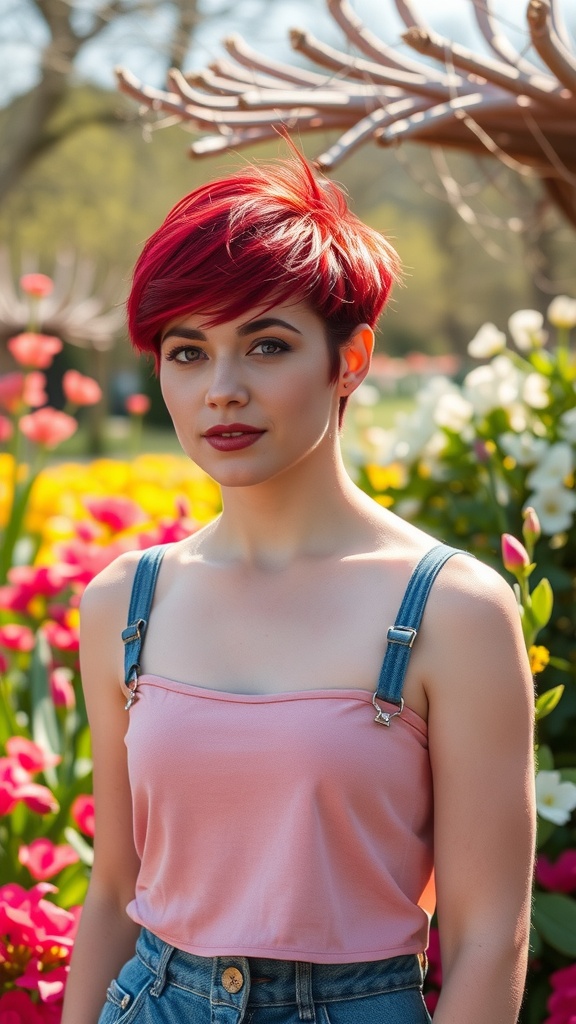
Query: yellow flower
[(383, 477), (539, 658)]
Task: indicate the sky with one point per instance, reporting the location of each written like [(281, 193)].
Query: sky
[(136, 44)]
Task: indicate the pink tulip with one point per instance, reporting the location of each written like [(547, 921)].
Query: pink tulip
[(82, 812), (61, 690), (61, 636), (44, 860), (80, 390), (116, 512), (6, 431), (137, 405), (559, 876), (36, 351), (30, 755), (12, 778), (16, 637), (48, 427), (34, 393), (44, 580), (11, 391), (531, 528), (514, 555), (38, 286), (38, 798)]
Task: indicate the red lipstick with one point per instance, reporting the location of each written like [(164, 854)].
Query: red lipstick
[(231, 437)]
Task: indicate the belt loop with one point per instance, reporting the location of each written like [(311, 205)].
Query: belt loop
[(304, 996), (161, 972)]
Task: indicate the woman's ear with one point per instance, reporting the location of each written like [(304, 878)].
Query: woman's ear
[(355, 357)]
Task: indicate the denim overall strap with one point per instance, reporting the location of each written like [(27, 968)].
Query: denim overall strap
[(402, 635), (140, 602)]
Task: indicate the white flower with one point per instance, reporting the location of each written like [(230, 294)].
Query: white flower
[(535, 391), (555, 507), (568, 425), (488, 342), (524, 448), (556, 464), (414, 430), (453, 411), (525, 326), (366, 394), (493, 386), (562, 312), (555, 799)]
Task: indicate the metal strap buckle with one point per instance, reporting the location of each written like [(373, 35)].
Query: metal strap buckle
[(134, 631), (385, 717), (404, 635), (132, 685)]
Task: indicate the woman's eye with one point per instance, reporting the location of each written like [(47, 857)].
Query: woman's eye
[(185, 354), (270, 347)]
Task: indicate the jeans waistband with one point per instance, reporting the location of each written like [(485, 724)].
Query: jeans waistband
[(263, 981)]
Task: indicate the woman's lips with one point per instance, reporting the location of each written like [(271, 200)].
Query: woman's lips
[(232, 437)]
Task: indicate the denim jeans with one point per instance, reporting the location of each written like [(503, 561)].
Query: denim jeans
[(163, 985)]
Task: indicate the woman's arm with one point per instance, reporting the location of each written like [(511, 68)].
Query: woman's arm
[(481, 748), (106, 936)]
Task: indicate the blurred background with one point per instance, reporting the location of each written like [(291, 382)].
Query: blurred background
[(85, 176)]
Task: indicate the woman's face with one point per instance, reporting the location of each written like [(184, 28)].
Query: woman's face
[(250, 398)]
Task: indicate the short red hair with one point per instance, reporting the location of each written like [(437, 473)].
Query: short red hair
[(266, 235)]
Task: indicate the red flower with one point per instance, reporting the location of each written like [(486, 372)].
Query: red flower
[(29, 755), (137, 405), (61, 689), (82, 811), (117, 513), (16, 637), (562, 1001), (514, 554), (11, 390), (12, 778), (18, 1008), (61, 636), (80, 390), (37, 285), (6, 431), (36, 351), (559, 876), (48, 427), (37, 938), (34, 393), (44, 860)]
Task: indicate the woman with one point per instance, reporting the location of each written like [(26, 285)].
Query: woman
[(265, 834)]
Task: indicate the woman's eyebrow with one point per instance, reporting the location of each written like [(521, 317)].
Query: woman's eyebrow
[(263, 324), (190, 333)]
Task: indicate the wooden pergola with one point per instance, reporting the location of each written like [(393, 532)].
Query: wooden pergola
[(518, 107)]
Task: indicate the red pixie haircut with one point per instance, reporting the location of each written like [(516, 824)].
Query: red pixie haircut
[(270, 234)]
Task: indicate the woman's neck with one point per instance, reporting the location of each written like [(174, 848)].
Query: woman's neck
[(310, 510)]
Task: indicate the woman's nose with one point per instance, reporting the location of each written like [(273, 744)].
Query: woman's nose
[(225, 386)]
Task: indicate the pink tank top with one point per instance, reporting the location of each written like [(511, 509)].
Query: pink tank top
[(287, 826)]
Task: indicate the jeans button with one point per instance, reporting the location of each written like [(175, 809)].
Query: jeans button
[(232, 979)]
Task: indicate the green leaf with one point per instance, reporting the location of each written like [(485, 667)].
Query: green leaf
[(568, 775), (72, 886), (554, 916), (547, 701), (542, 601), (45, 731), (78, 843), (542, 361), (544, 759), (544, 830)]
